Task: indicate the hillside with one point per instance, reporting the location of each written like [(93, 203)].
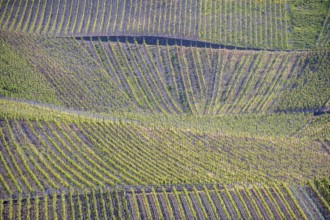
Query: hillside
[(183, 202), (75, 79), (172, 79), (88, 152), (64, 150), (272, 24), (168, 109)]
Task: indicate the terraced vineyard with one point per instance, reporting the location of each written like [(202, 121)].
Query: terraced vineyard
[(182, 202), (172, 79), (168, 109), (57, 155), (279, 24), (197, 80)]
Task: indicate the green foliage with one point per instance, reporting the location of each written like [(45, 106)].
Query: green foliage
[(317, 129), (117, 205), (87, 152), (107, 77), (311, 89), (274, 24), (307, 20), (323, 185), (63, 66), (254, 24), (19, 79), (319, 195), (90, 204), (271, 125), (165, 114)]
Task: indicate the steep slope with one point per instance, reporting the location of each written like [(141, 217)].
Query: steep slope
[(77, 81), (19, 78), (179, 79), (173, 202), (272, 24), (108, 74), (310, 23), (44, 151), (164, 109), (310, 91)]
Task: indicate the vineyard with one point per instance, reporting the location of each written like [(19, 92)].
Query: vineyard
[(57, 155), (181, 202), (61, 159), (271, 24), (167, 79), (164, 109)]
